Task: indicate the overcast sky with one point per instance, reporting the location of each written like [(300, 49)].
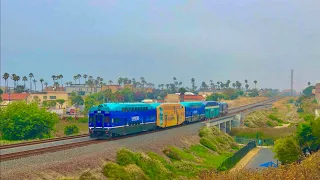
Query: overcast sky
[(158, 39)]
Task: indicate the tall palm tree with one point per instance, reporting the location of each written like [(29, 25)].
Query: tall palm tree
[(46, 84), (167, 85), (120, 81), (6, 77), (79, 77), (134, 82), (41, 81), (143, 81), (17, 80), (31, 76), (24, 79), (255, 84), (13, 77), (247, 87), (85, 76), (101, 82), (56, 84), (246, 81), (35, 86), (309, 83), (193, 82), (233, 85), (75, 79), (60, 77), (110, 82), (54, 77)]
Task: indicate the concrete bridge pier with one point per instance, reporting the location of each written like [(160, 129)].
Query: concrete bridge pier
[(228, 126), (223, 127)]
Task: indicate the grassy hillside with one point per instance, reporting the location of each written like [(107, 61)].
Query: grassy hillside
[(264, 133), (309, 169), (283, 112), (174, 162)]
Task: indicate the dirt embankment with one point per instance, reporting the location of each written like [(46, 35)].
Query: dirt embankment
[(283, 113), (244, 101)]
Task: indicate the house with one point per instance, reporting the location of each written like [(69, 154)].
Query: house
[(175, 98), (8, 98), (49, 96), (82, 89), (113, 88)]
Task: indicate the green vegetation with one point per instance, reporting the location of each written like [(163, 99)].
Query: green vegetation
[(263, 133), (21, 121), (71, 129), (287, 150), (87, 176)]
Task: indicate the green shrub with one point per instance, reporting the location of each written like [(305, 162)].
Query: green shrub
[(207, 143), (187, 168), (135, 172), (21, 121), (83, 120), (300, 110), (115, 171), (87, 176), (273, 117), (171, 154), (314, 101), (270, 123), (309, 117), (126, 157), (69, 118), (166, 163), (71, 129), (153, 168)]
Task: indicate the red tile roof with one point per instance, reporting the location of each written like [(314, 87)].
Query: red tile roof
[(194, 97), (14, 96)]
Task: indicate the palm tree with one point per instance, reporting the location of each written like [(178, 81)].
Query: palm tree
[(143, 81), (255, 84), (17, 79), (309, 83), (120, 81), (31, 76), (41, 81), (247, 87), (24, 79), (6, 77), (233, 85), (46, 84), (60, 77), (35, 86), (101, 82), (85, 78), (54, 77), (167, 85), (134, 82), (193, 83), (110, 82), (246, 81), (75, 79), (79, 77), (56, 84)]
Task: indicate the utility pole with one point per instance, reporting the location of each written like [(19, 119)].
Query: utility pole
[(291, 82)]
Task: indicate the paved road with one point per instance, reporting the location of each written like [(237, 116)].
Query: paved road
[(263, 156)]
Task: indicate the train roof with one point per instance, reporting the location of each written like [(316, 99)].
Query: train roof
[(211, 103), (190, 104), (119, 106)]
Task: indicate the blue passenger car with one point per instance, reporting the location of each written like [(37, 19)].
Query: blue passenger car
[(116, 119), (194, 111)]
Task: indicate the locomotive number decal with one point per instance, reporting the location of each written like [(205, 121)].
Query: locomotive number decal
[(135, 118)]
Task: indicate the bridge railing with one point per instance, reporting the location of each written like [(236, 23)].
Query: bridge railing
[(233, 160)]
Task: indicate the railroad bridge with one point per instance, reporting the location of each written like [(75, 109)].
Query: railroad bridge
[(225, 124)]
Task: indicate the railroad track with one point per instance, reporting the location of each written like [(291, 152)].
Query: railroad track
[(21, 154), (42, 141)]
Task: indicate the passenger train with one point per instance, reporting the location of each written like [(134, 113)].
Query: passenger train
[(110, 120)]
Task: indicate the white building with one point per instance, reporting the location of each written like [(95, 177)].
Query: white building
[(82, 89)]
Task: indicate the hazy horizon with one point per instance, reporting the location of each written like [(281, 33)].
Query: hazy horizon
[(208, 40)]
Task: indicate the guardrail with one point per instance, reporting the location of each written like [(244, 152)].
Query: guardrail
[(233, 160)]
